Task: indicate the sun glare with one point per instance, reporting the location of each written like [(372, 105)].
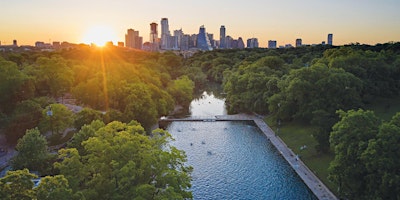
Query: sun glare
[(99, 35)]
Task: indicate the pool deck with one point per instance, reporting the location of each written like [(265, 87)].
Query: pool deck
[(308, 177)]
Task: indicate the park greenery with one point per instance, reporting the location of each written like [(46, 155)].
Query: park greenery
[(303, 88), (325, 90)]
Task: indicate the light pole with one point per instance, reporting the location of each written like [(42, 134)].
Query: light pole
[(50, 114)]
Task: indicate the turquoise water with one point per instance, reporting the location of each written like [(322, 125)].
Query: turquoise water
[(235, 160)]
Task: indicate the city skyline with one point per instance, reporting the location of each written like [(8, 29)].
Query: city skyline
[(366, 22)]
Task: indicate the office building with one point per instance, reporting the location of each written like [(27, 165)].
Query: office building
[(330, 39), (240, 44), (178, 34), (222, 37), (203, 43), (153, 45), (271, 44), (133, 40), (165, 34), (252, 43), (299, 42)]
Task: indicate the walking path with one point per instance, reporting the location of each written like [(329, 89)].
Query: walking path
[(309, 178)]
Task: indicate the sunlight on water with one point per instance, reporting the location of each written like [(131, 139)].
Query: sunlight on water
[(207, 105)]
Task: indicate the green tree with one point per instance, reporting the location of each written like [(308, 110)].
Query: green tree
[(17, 185), (53, 75), (26, 115), (182, 90), (32, 153), (53, 187), (123, 163), (382, 163), (59, 119), (86, 116), (349, 139), (11, 80)]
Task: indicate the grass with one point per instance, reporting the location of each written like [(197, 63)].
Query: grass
[(296, 135)]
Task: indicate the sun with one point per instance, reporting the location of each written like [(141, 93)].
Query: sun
[(99, 35)]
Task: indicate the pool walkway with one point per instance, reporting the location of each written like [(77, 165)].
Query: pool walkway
[(309, 178)]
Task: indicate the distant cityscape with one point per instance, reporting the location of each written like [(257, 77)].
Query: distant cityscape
[(177, 42)]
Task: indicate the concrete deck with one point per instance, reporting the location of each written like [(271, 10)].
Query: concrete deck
[(309, 178)]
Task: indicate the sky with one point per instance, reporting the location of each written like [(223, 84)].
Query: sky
[(77, 21)]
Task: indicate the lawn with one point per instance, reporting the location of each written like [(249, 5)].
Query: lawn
[(297, 135)]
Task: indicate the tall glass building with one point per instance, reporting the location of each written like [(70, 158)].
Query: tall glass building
[(203, 42), (222, 37)]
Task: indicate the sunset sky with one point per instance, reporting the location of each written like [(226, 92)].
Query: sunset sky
[(76, 21)]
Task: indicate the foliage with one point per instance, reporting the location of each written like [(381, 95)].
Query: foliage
[(32, 153), (17, 185), (60, 119), (86, 116), (53, 187), (121, 162), (366, 164)]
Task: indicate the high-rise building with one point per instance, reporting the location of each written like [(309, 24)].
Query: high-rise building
[(271, 44), (15, 43), (153, 37), (330, 39), (222, 37), (203, 42), (240, 43), (252, 43), (165, 34), (133, 40), (178, 34), (185, 42), (299, 42), (228, 42), (193, 41)]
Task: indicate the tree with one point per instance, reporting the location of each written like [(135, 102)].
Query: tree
[(11, 79), (382, 162), (349, 139), (86, 116), (53, 187), (17, 185), (26, 115), (32, 153), (124, 163), (53, 76), (182, 90), (59, 119)]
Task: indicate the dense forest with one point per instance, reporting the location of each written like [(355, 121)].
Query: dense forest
[(113, 154), (124, 92), (321, 86)]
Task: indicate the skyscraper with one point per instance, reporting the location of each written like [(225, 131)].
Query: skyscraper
[(178, 34), (222, 37), (330, 39), (298, 42), (154, 37), (203, 42), (165, 34)]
